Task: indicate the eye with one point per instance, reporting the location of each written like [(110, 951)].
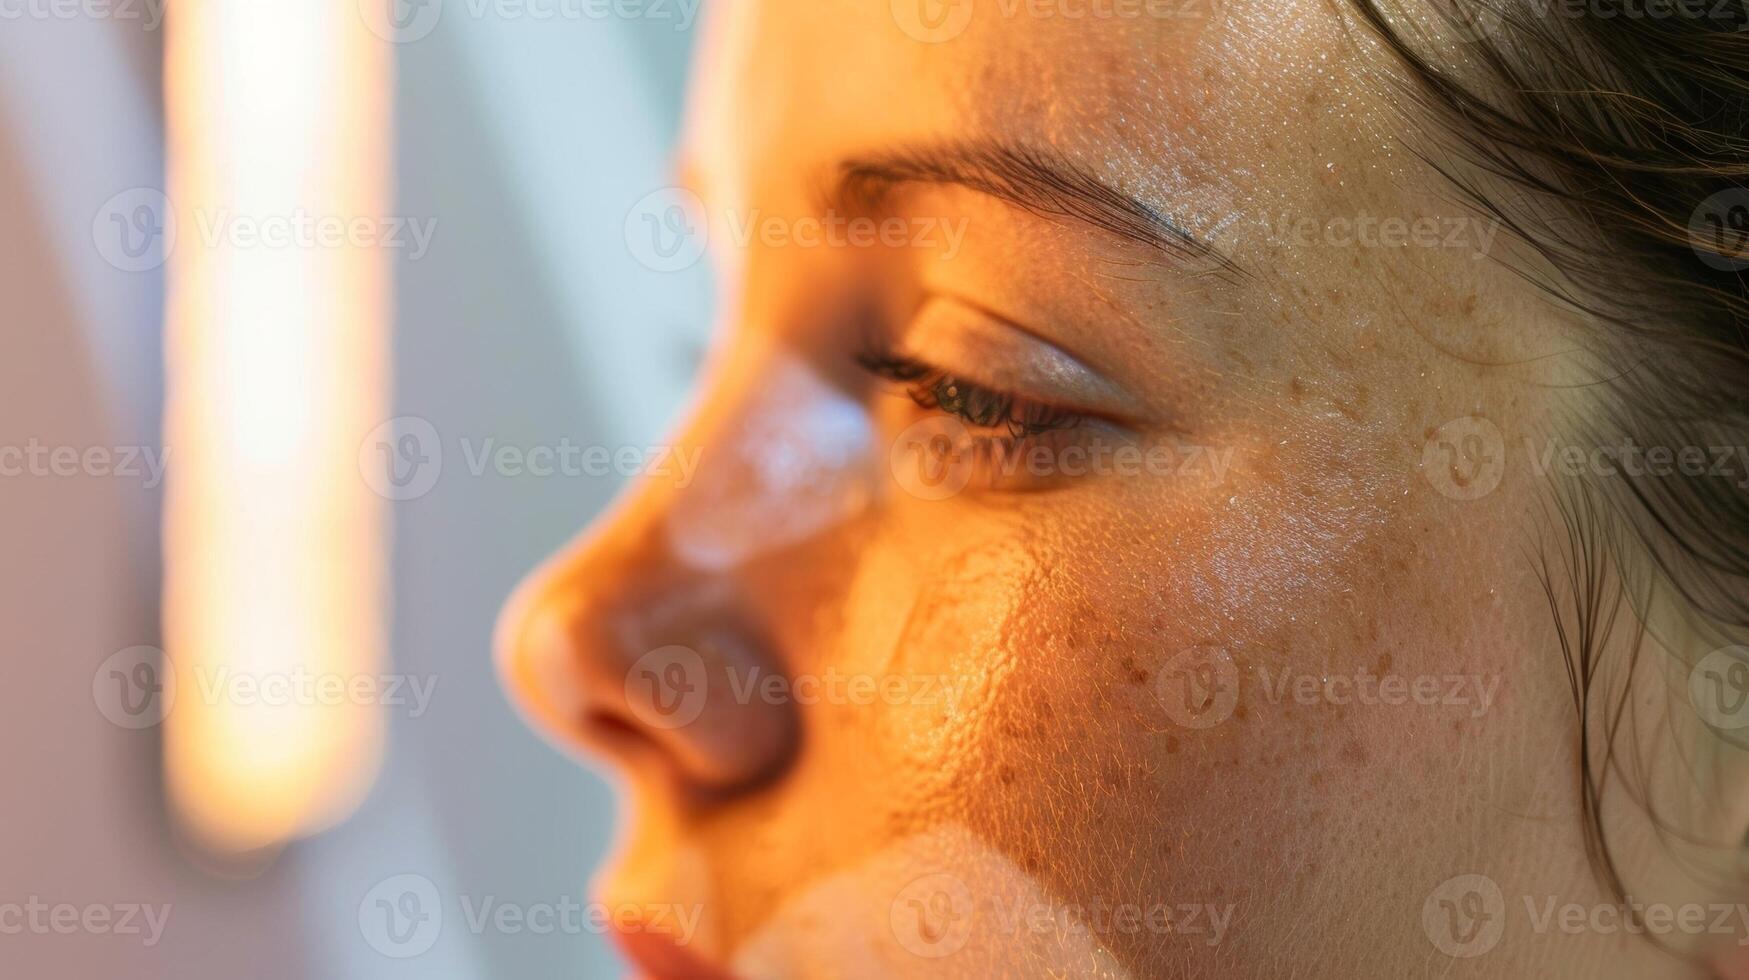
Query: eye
[(975, 404)]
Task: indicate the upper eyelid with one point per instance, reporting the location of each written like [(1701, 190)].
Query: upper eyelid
[(923, 378), (1001, 353)]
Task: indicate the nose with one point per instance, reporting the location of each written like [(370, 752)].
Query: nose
[(672, 630), (621, 648)]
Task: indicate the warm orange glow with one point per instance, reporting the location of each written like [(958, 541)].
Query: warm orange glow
[(277, 350)]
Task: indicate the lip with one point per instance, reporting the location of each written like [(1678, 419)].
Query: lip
[(657, 956)]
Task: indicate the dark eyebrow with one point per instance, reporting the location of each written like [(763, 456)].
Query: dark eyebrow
[(1036, 180)]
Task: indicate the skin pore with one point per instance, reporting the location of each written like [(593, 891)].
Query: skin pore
[(1250, 307)]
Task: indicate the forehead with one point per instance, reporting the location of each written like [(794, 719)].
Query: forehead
[(1205, 100)]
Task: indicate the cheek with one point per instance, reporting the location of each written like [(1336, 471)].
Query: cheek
[(1061, 629)]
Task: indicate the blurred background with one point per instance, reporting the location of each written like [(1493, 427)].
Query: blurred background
[(520, 138)]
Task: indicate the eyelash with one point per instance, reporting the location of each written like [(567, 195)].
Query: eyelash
[(933, 388)]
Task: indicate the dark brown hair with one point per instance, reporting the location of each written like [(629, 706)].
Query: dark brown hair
[(1611, 138)]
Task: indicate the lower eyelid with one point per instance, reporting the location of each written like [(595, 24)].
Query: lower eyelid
[(995, 465)]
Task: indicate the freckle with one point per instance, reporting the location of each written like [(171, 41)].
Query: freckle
[(1469, 303), (1005, 774), (1239, 712), (1384, 664), (1298, 389), (1171, 745), (1354, 752)]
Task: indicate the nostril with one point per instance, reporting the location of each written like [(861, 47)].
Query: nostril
[(707, 705), (614, 733)]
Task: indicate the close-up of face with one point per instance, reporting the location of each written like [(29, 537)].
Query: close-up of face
[(1127, 535), (811, 489)]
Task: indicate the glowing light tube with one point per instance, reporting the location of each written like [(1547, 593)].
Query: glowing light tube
[(278, 129)]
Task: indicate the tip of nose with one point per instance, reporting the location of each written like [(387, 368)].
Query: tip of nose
[(570, 657), (529, 647), (507, 629)]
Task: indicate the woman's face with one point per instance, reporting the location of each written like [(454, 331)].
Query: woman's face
[(1107, 552)]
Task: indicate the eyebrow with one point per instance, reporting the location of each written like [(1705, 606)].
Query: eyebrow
[(1033, 179)]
